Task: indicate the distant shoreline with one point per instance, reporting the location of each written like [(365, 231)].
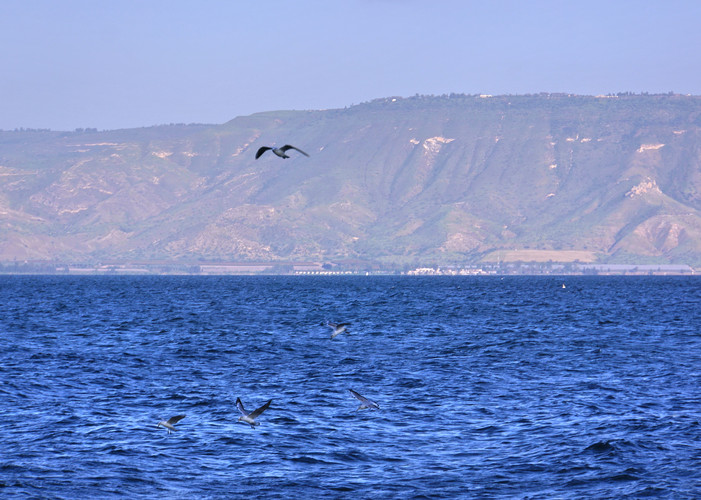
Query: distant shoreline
[(359, 268)]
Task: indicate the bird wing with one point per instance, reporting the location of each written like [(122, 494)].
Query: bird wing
[(367, 402), (174, 420), (287, 146), (239, 405), (359, 397), (261, 151), (337, 325), (260, 410)]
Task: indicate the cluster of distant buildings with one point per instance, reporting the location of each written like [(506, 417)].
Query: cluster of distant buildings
[(433, 271), (590, 269)]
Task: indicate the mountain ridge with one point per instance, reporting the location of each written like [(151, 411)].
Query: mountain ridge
[(444, 179)]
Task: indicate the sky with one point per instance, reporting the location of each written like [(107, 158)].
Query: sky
[(67, 64)]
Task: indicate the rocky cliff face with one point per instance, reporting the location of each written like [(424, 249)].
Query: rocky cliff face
[(440, 179)]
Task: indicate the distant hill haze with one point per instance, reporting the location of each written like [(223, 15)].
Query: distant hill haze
[(442, 180)]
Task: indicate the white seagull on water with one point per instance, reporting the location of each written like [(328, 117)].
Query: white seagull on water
[(338, 328), (281, 151), (249, 417), (364, 402), (170, 423)]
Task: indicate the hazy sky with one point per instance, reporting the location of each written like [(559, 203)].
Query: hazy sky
[(113, 64)]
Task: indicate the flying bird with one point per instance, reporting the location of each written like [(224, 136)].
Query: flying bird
[(249, 417), (170, 423), (364, 402), (337, 328), (281, 152)]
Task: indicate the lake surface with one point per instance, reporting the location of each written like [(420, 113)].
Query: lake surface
[(489, 387)]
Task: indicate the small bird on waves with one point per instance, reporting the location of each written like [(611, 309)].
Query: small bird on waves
[(170, 423), (337, 328), (365, 403), (249, 417)]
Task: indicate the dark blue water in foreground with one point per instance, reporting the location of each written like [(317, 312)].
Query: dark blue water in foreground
[(489, 387)]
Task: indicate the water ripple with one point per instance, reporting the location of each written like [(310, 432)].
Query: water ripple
[(489, 387)]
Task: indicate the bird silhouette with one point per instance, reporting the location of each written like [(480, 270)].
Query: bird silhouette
[(281, 151)]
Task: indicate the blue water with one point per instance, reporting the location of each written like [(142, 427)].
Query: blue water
[(488, 387)]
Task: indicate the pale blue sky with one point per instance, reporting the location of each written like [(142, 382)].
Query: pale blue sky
[(116, 63)]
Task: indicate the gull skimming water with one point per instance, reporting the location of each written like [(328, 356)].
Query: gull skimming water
[(364, 402), (281, 151), (337, 328), (170, 423), (249, 417)]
